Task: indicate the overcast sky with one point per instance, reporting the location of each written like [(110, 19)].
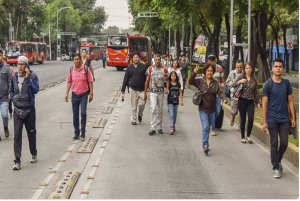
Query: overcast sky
[(118, 13)]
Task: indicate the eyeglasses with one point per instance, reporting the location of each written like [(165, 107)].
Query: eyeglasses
[(21, 64)]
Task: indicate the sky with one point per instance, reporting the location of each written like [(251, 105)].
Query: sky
[(118, 13)]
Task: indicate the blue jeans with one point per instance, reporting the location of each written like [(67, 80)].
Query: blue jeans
[(172, 114), (206, 121), (216, 114), (79, 100), (4, 113)]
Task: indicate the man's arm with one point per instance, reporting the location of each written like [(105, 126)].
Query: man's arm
[(34, 84), (229, 79), (125, 80), (291, 106), (146, 87), (91, 92), (9, 77), (264, 109)]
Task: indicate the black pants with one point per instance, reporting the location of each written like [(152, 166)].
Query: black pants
[(274, 129), (184, 81), (246, 106), (104, 62), (30, 125)]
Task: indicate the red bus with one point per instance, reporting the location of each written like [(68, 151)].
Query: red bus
[(34, 51), (93, 51), (120, 49)]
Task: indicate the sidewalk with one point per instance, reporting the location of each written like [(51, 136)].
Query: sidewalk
[(134, 165)]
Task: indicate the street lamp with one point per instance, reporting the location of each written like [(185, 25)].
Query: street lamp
[(58, 10)]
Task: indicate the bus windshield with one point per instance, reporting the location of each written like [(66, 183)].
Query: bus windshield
[(117, 41), (12, 50)]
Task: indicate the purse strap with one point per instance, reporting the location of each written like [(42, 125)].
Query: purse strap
[(199, 88)]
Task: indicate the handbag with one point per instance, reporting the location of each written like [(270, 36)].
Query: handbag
[(22, 114), (197, 97), (227, 91)]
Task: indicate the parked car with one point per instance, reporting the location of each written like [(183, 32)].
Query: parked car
[(65, 57)]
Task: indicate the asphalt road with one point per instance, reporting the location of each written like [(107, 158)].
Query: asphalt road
[(52, 72), (128, 163)]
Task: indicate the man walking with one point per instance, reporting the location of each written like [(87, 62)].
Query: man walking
[(277, 97), (233, 75), (80, 81), (24, 86), (135, 78), (219, 76), (156, 76), (5, 82), (184, 67), (104, 59)]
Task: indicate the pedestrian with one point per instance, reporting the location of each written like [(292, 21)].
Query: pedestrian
[(232, 77), (184, 67), (175, 67), (277, 97), (104, 59), (135, 78), (10, 110), (24, 86), (81, 83), (168, 62), (175, 92), (156, 76), (210, 89), (219, 76), (247, 98), (5, 82), (87, 62)]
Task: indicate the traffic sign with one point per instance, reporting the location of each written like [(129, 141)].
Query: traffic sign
[(289, 46)]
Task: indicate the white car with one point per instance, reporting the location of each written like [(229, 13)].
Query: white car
[(65, 57)]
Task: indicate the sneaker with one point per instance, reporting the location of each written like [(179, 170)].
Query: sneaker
[(17, 165), (152, 132), (160, 131), (206, 150), (213, 133), (280, 167), (172, 131), (140, 119), (82, 137), (133, 123), (6, 131), (232, 121), (76, 137), (33, 159), (276, 173)]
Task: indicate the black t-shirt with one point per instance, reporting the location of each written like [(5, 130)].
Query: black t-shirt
[(87, 62), (173, 97)]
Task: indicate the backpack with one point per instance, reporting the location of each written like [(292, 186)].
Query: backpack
[(287, 83), (86, 74)]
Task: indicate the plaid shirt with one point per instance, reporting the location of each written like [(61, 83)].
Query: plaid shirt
[(219, 75)]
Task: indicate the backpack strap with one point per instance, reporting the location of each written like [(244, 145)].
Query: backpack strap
[(270, 85)]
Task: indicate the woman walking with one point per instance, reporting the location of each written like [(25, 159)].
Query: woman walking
[(248, 96), (175, 67), (173, 99), (87, 62), (210, 89)]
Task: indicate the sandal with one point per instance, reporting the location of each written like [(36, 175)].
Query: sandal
[(249, 140), (243, 140)]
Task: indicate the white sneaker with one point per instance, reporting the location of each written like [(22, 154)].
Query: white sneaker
[(213, 133), (33, 159), (17, 166), (276, 173)]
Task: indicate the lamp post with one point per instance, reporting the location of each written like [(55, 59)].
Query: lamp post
[(58, 10)]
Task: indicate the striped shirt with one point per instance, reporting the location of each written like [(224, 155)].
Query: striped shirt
[(219, 75)]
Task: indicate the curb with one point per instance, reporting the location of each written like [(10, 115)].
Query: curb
[(292, 152)]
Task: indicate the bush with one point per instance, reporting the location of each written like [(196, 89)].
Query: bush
[(260, 85)]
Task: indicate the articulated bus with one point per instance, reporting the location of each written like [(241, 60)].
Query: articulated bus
[(93, 51), (120, 49), (34, 51)]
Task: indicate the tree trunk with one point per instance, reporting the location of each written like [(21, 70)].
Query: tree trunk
[(287, 62), (226, 70), (253, 47), (178, 50), (195, 36), (271, 51)]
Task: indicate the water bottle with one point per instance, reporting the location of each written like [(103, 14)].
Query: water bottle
[(238, 91)]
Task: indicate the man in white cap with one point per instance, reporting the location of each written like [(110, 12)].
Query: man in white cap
[(5, 81), (24, 86)]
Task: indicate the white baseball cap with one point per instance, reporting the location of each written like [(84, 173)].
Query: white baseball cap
[(23, 59)]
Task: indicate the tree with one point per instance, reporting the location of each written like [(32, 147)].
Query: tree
[(100, 18)]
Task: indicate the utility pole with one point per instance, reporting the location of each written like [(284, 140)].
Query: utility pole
[(191, 39), (50, 52), (169, 37)]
